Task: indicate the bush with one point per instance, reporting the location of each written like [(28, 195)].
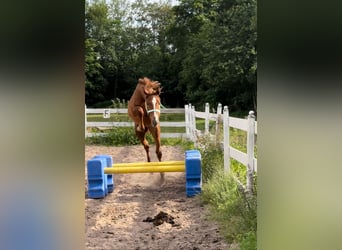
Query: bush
[(103, 104)]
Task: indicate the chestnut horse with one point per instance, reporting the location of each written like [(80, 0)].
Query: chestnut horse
[(144, 110)]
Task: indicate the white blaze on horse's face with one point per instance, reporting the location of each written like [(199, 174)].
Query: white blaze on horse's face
[(154, 112), (154, 102)]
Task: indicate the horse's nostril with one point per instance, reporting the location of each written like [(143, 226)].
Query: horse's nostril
[(155, 122)]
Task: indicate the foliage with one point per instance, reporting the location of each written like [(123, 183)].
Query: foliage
[(236, 212), (103, 104), (184, 143), (218, 52), (117, 136), (117, 103), (120, 136), (200, 50), (248, 241), (212, 157), (231, 207)]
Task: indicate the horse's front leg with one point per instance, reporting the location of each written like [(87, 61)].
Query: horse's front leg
[(158, 150), (144, 142), (156, 136)]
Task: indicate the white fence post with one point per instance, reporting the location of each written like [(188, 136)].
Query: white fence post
[(190, 122), (206, 124), (187, 123), (250, 152), (193, 122), (226, 143), (218, 122), (85, 120)]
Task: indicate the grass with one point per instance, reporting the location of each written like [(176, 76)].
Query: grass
[(118, 136), (230, 206), (121, 136), (236, 212)]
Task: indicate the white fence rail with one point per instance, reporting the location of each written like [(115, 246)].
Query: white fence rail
[(249, 125), (114, 111), (191, 132)]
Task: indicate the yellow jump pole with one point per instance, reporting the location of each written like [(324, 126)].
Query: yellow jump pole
[(100, 170), (145, 169), (146, 164)]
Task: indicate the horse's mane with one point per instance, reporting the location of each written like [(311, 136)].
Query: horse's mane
[(150, 87)]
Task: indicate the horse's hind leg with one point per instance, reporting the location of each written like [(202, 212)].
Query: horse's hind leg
[(139, 119), (144, 142)]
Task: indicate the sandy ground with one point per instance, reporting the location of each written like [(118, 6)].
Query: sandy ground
[(117, 221)]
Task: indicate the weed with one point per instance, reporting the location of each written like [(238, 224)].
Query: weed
[(117, 103)]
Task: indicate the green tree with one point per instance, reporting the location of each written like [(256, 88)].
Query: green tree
[(96, 55), (201, 51), (192, 18), (215, 42), (93, 77), (232, 62)]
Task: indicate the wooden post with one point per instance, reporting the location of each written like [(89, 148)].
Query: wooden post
[(250, 152), (226, 144), (206, 124)]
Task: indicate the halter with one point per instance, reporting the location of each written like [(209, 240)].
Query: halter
[(154, 107)]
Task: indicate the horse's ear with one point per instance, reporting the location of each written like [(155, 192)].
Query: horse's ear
[(142, 81), (149, 90)]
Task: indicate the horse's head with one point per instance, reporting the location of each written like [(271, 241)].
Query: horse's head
[(151, 91), (153, 108)]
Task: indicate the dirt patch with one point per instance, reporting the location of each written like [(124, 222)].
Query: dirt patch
[(120, 220)]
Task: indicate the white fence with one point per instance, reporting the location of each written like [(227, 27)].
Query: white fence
[(249, 125), (114, 111), (191, 132)]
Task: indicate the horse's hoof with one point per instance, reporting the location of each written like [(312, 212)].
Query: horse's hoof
[(162, 179), (140, 128), (162, 183)]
